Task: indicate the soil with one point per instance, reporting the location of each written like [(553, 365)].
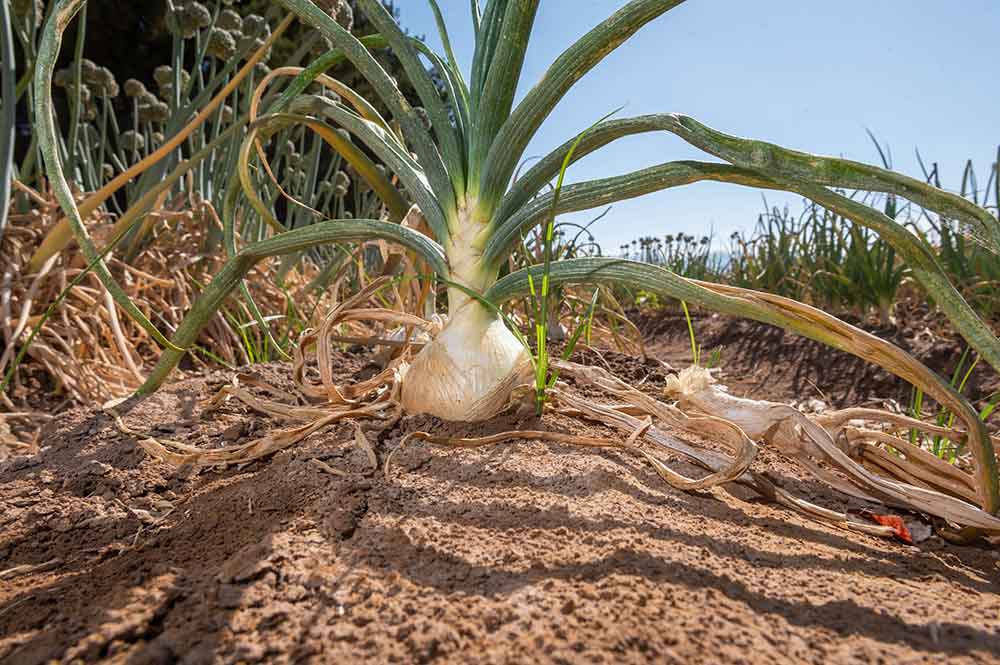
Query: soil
[(519, 553)]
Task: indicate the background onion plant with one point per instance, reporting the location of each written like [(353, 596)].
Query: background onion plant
[(825, 259), (452, 202), (150, 163)]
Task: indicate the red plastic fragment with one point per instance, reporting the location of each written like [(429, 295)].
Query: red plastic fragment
[(895, 522)]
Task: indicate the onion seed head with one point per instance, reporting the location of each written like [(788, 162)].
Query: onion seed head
[(134, 88), (185, 20), (22, 9), (221, 44), (254, 24), (425, 119), (133, 141), (229, 20), (341, 183), (339, 10)]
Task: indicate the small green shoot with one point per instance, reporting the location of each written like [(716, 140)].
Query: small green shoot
[(582, 327), (695, 347), (939, 446), (541, 303)]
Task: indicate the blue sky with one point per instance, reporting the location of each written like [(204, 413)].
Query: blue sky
[(807, 74)]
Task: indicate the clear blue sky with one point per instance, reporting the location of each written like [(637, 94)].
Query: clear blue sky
[(805, 74)]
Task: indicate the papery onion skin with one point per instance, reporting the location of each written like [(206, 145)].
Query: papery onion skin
[(468, 371)]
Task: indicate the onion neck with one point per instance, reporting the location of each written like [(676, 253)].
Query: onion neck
[(464, 249)]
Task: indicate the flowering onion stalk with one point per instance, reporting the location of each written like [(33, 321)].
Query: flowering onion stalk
[(456, 160)]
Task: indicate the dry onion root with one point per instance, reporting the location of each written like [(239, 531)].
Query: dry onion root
[(809, 441), (723, 469), (87, 350), (704, 409), (375, 399)]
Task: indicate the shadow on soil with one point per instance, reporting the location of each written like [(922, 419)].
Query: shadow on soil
[(120, 582)]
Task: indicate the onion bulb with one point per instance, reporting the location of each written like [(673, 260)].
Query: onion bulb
[(467, 372)]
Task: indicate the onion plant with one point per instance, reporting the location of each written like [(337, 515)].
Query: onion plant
[(976, 270), (181, 146), (457, 169), (683, 254), (225, 53)]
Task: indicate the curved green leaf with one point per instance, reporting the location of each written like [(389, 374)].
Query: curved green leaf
[(546, 169), (229, 240), (835, 172), (297, 240), (444, 130), (809, 175), (445, 37), (919, 258), (458, 93), (596, 193), (783, 312), (366, 168), (396, 158), (500, 82), (388, 92), (767, 157), (913, 250), (486, 43), (577, 60), (48, 141), (320, 65)]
